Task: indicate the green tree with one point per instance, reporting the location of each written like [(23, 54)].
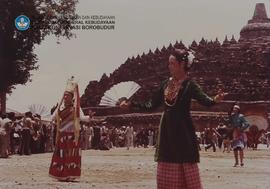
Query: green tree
[(17, 59)]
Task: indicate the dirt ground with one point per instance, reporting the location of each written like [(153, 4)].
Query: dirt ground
[(134, 169)]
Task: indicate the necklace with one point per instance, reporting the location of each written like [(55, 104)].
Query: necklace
[(172, 90)]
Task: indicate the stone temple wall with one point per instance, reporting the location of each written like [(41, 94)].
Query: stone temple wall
[(241, 68)]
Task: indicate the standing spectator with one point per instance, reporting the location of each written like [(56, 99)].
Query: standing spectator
[(43, 138), (88, 136), (96, 137), (26, 134), (151, 137), (5, 124), (129, 137)]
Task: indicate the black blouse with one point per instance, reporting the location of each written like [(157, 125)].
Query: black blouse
[(177, 141)]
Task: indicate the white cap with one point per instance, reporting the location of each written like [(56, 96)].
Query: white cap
[(236, 107)]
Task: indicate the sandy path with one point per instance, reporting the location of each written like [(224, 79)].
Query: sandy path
[(119, 168)]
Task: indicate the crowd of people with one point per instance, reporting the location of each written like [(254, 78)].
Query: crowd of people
[(28, 134), (24, 135), (105, 138)]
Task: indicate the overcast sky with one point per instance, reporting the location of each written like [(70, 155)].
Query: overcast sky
[(140, 26)]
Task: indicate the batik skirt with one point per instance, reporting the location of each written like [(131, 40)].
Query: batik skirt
[(238, 140), (66, 159), (238, 144), (178, 176)]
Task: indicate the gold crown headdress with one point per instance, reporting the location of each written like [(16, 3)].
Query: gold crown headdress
[(71, 85)]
